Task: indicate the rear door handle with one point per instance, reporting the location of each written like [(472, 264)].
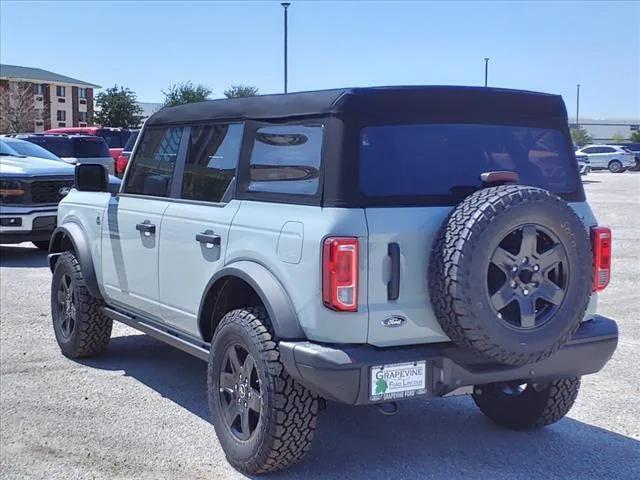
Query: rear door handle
[(208, 237), (147, 228), (393, 287)]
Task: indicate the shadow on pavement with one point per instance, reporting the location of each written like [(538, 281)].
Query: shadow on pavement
[(12, 256), (437, 438)]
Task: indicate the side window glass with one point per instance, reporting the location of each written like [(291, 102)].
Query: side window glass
[(589, 150), (286, 159), (152, 167), (211, 162), (608, 150)]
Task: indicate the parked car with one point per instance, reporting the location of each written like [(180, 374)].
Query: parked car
[(73, 148), (123, 159), (583, 164), (635, 149), (615, 158), (363, 245), (30, 189), (116, 138), (28, 149)]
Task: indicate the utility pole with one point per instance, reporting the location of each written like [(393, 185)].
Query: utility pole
[(578, 105), (285, 5), (486, 70)]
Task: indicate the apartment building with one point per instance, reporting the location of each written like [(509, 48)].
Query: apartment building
[(58, 100)]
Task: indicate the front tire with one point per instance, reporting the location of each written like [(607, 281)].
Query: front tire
[(264, 419), (80, 327), (523, 406), (615, 166)]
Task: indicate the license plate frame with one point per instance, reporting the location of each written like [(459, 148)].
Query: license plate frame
[(398, 381)]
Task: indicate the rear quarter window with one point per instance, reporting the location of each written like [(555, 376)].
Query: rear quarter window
[(446, 160), (90, 148)]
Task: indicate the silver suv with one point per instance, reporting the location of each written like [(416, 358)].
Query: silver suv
[(360, 245)]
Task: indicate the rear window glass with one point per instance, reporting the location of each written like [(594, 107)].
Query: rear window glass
[(128, 147), (114, 139), (447, 159), (90, 148)]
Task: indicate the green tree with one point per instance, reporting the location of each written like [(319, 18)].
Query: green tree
[(635, 136), (617, 137), (237, 91), (581, 137), (118, 107), (187, 92)]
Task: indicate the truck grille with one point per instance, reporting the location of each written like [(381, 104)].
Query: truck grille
[(48, 191)]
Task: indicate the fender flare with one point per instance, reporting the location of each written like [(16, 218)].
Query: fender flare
[(271, 292), (78, 239)]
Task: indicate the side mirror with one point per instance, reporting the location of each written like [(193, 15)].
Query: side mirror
[(91, 177)]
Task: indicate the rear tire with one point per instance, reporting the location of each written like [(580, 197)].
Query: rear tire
[(80, 327), (615, 166), (509, 406), (264, 419), (42, 245)]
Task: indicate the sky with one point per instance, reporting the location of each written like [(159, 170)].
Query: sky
[(149, 45)]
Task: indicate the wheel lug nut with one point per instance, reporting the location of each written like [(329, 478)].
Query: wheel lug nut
[(245, 404), (536, 268), (525, 260), (514, 268), (513, 284), (525, 292)]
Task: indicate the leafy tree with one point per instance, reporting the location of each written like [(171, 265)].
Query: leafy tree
[(617, 137), (635, 137), (237, 91), (118, 107), (187, 92), (17, 109), (581, 137)]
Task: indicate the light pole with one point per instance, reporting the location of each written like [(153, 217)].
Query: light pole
[(285, 5), (486, 70), (577, 105)]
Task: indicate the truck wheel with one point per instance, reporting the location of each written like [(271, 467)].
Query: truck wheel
[(522, 406), (81, 329), (615, 166), (510, 274), (42, 245), (264, 419)]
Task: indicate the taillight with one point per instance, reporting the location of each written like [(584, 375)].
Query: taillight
[(121, 163), (601, 241), (340, 273)]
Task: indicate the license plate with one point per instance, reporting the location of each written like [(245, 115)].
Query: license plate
[(398, 381)]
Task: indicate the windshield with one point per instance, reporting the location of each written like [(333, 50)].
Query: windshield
[(7, 150), (447, 159), (32, 150)]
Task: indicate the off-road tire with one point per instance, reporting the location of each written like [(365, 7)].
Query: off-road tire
[(530, 409), (288, 410), (615, 166), (92, 329), (458, 278), (41, 245)]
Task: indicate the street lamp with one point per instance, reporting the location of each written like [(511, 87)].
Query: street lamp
[(285, 5), (577, 105), (486, 70)]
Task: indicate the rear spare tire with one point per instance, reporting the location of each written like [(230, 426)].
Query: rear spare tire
[(510, 274)]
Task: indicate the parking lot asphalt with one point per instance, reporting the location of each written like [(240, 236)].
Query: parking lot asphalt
[(139, 411)]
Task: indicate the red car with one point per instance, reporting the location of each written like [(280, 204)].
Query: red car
[(116, 138)]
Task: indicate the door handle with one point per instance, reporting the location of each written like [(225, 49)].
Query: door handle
[(393, 287), (147, 228), (208, 237)]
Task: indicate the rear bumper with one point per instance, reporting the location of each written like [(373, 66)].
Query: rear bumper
[(341, 372)]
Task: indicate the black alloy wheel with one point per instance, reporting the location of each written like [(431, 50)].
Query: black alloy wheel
[(527, 276), (67, 312)]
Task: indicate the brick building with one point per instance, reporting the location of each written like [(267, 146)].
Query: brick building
[(59, 101)]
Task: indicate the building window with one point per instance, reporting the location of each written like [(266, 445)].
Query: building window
[(82, 116), (82, 92), (61, 115), (61, 91), (38, 89), (62, 124)]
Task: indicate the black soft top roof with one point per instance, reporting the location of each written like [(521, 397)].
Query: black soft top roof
[(368, 102)]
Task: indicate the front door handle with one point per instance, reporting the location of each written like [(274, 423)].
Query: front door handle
[(147, 228), (208, 237)]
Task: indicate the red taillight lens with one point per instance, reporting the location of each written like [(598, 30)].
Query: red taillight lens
[(121, 163), (601, 240), (340, 273)]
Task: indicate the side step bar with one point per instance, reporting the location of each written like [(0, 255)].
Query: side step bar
[(165, 335)]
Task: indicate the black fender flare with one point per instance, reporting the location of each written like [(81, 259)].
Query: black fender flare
[(78, 239), (271, 292)]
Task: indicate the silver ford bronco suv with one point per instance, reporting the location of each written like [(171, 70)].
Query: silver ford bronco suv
[(362, 245)]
